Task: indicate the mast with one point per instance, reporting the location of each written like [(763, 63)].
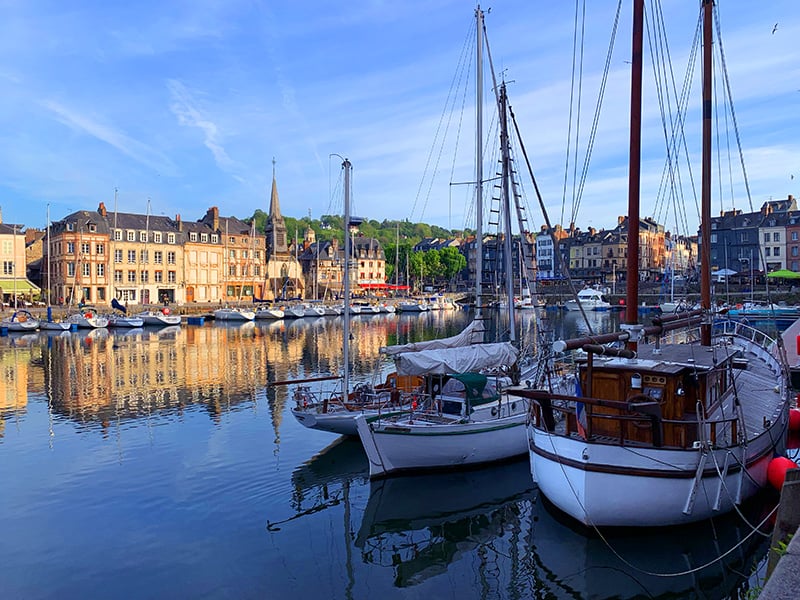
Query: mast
[(396, 256), (705, 205), (113, 234), (49, 262), (634, 175), (146, 258), (347, 249), (506, 171), (479, 161)]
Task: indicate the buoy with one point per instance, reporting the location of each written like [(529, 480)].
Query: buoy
[(794, 419), (165, 310), (776, 470), (89, 315)]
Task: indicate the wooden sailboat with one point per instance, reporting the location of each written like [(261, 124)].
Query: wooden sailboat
[(662, 431)]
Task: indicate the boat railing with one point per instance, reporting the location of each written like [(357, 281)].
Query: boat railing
[(554, 411)]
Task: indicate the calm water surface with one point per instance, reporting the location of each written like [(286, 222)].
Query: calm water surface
[(158, 464)]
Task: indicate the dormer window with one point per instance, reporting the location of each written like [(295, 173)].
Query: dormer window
[(143, 237), (131, 236), (192, 236), (70, 226), (214, 238), (204, 237), (92, 227)]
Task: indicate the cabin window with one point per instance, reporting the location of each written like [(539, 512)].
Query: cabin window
[(451, 407)]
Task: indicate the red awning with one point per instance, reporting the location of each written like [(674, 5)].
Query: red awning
[(382, 286)]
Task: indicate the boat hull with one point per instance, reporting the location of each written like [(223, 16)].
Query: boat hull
[(604, 485), (393, 448), (160, 319), (340, 423), (55, 325)]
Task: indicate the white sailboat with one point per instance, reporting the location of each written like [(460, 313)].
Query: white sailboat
[(87, 317), (662, 433), (465, 417), (20, 320), (336, 411)]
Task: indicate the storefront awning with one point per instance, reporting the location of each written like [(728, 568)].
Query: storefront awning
[(382, 286), (21, 286)]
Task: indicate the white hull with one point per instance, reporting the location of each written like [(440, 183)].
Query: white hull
[(234, 314), (587, 305), (55, 325), (159, 319), (29, 325), (340, 422), (604, 485), (85, 322), (398, 447), (120, 321), (269, 313), (293, 312)]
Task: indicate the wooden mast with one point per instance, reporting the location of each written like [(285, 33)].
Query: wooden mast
[(705, 206), (634, 174)]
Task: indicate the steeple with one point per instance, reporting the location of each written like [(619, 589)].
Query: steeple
[(275, 229), (274, 203)]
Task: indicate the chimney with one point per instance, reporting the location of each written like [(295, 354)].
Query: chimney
[(178, 222), (102, 209), (213, 215)]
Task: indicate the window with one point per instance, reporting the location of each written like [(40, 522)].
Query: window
[(101, 293), (118, 235), (118, 276), (157, 237), (232, 270), (204, 237), (170, 238), (214, 238), (794, 236), (145, 276), (170, 258), (131, 236), (258, 254), (8, 267), (776, 251), (257, 270), (86, 248), (159, 276), (776, 236), (713, 238), (100, 249), (117, 256), (766, 237), (92, 227), (171, 278), (743, 237), (70, 269), (70, 226), (131, 276), (232, 240), (192, 236), (101, 270), (244, 253), (131, 257), (231, 253), (144, 256), (158, 257), (766, 251), (87, 270), (143, 237), (795, 251)]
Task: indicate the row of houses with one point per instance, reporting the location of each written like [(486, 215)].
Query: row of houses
[(92, 256)]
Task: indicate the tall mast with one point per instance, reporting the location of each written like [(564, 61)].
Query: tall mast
[(49, 261), (346, 348), (506, 171), (634, 175), (113, 234), (478, 161), (705, 205)]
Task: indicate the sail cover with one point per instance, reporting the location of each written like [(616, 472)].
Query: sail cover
[(472, 334), (456, 360)]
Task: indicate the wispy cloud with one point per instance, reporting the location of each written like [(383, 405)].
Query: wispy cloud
[(186, 108), (138, 151)]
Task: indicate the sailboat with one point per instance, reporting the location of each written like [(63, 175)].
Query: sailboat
[(337, 412), (465, 416), (51, 324), (665, 430)]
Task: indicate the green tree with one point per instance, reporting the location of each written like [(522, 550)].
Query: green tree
[(433, 266), (453, 262)]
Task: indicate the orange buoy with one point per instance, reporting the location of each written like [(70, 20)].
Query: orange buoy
[(794, 419), (165, 310), (776, 470)]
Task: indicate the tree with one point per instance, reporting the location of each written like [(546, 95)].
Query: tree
[(453, 262), (433, 266)]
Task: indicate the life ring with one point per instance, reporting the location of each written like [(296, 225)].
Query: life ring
[(165, 310)]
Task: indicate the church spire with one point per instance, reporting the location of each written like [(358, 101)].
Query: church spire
[(274, 203), (276, 227)]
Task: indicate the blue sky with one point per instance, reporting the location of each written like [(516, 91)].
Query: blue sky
[(187, 103)]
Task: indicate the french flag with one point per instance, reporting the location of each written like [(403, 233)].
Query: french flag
[(580, 410)]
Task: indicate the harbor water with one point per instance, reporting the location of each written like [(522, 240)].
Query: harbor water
[(161, 464)]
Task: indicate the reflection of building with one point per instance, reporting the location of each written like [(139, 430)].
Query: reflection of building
[(14, 379)]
